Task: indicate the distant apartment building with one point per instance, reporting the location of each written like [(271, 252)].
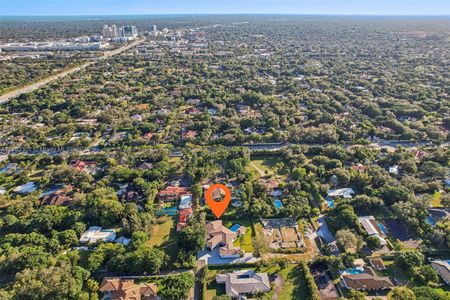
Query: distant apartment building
[(128, 32), (151, 28), (109, 31)]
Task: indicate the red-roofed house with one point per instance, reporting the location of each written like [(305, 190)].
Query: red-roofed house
[(147, 136), (184, 215), (172, 193), (190, 134), (80, 165), (115, 288), (193, 111)]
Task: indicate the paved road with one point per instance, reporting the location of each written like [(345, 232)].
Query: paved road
[(34, 86)]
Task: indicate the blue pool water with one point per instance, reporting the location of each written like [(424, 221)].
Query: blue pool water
[(330, 203), (382, 228), (354, 271), (235, 227), (431, 221), (278, 204), (167, 211)]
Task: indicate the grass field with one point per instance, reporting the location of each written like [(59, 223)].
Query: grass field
[(436, 200), (162, 231), (245, 241), (394, 272), (212, 288), (294, 284), (265, 166), (164, 236)]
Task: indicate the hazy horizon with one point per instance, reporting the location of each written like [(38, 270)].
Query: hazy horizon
[(230, 7)]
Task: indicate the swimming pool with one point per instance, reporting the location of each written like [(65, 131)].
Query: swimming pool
[(278, 204), (354, 271), (382, 228), (235, 227), (431, 221), (330, 203), (167, 211)]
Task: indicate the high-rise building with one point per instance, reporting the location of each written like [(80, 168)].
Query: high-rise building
[(105, 31), (114, 30), (151, 28), (128, 32), (109, 31)]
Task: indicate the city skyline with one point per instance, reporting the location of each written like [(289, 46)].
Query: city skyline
[(159, 7)]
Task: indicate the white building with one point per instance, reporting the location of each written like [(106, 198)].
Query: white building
[(372, 228), (344, 193), (393, 170), (95, 234), (128, 32), (26, 188), (50, 46), (109, 31)]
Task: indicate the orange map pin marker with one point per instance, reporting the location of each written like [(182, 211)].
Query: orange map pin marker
[(218, 207)]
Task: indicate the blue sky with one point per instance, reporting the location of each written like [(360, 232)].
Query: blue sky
[(141, 7)]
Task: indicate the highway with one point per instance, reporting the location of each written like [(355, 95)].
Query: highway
[(34, 86)]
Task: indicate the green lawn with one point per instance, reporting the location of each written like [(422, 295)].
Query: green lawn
[(293, 278), (161, 232), (294, 284), (84, 255), (395, 272), (245, 241), (164, 236), (436, 200), (266, 165), (212, 288)]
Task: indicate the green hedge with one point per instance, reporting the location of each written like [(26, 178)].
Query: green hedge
[(311, 287)]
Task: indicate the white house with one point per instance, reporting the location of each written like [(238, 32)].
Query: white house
[(372, 228), (343, 193), (95, 234)]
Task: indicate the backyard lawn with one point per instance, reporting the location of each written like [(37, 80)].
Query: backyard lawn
[(212, 288), (161, 231), (245, 241), (436, 200), (294, 284), (394, 272), (164, 236)]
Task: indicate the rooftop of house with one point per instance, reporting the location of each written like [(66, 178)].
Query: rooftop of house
[(127, 289), (366, 282), (377, 263), (344, 192), (80, 165), (443, 268), (145, 166), (216, 233), (96, 233), (372, 228), (26, 188), (244, 282), (59, 197), (173, 191)]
